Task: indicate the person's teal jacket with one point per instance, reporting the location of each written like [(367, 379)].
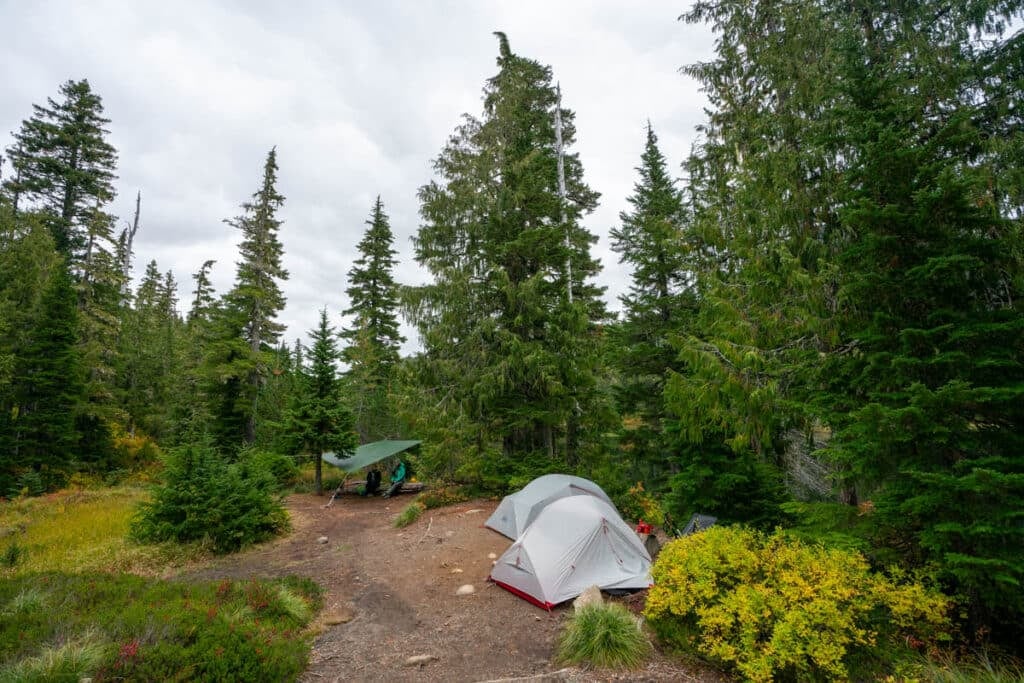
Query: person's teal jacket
[(398, 474)]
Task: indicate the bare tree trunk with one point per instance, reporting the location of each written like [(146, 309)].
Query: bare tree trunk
[(126, 257), (317, 478), (561, 188)]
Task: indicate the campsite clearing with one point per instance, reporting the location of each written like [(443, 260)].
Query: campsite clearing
[(390, 594)]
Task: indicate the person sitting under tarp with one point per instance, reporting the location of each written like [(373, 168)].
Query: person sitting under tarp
[(372, 482), (397, 479)]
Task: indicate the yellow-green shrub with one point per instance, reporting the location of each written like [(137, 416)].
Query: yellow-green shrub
[(135, 451), (637, 504), (772, 606)]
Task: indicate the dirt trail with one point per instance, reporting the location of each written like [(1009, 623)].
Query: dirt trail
[(390, 594)]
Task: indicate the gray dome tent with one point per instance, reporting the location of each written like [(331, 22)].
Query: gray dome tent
[(574, 543), (517, 510)]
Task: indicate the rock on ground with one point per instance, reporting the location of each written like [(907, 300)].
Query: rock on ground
[(590, 596)]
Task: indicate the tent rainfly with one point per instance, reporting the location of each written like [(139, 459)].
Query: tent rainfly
[(574, 543), (369, 453), (516, 511)]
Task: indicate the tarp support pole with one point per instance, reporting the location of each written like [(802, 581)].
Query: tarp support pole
[(337, 491)]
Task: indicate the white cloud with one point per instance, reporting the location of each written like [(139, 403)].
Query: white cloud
[(357, 97)]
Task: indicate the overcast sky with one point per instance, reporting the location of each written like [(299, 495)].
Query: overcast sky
[(358, 97)]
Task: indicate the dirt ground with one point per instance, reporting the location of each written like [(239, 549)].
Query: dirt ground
[(391, 594)]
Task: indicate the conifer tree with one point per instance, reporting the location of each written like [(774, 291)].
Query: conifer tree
[(245, 330), (151, 355), (373, 337), (862, 275), (47, 388), (651, 239), (202, 295), (63, 165), (318, 420), (100, 286), (509, 332), (927, 396)]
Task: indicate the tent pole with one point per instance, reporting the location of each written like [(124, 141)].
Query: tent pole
[(337, 491)]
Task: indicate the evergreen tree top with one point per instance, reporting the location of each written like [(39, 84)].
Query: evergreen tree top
[(372, 291), (256, 294), (63, 164)]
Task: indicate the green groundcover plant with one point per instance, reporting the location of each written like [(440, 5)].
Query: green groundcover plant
[(56, 626)]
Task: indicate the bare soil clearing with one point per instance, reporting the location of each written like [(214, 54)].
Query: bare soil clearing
[(391, 595)]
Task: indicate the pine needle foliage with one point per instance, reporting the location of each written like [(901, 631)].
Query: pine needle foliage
[(203, 497)]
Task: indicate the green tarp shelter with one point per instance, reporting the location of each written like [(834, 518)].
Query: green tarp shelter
[(369, 453)]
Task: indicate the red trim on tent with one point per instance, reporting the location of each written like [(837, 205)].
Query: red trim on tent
[(525, 596)]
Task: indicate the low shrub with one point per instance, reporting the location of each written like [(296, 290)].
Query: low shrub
[(774, 607), (409, 515), (203, 497), (603, 635), (305, 481), (68, 626), (133, 452), (29, 483), (637, 504), (282, 469), (442, 496)]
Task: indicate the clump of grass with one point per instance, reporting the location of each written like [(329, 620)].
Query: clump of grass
[(12, 555), (981, 668), (71, 661), (29, 599), (294, 606), (604, 635), (409, 515)]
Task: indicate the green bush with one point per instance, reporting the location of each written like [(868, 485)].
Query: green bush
[(734, 487), (604, 635), (637, 504), (282, 469), (203, 497), (773, 607), (409, 515), (442, 497), (58, 626)]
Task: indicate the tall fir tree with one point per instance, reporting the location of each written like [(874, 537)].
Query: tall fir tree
[(47, 389), (64, 166), (373, 338), (100, 285), (507, 327), (152, 359), (202, 296), (860, 278), (318, 420), (651, 239), (245, 331), (927, 398)]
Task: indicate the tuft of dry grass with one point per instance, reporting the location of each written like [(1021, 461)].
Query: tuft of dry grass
[(82, 530)]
